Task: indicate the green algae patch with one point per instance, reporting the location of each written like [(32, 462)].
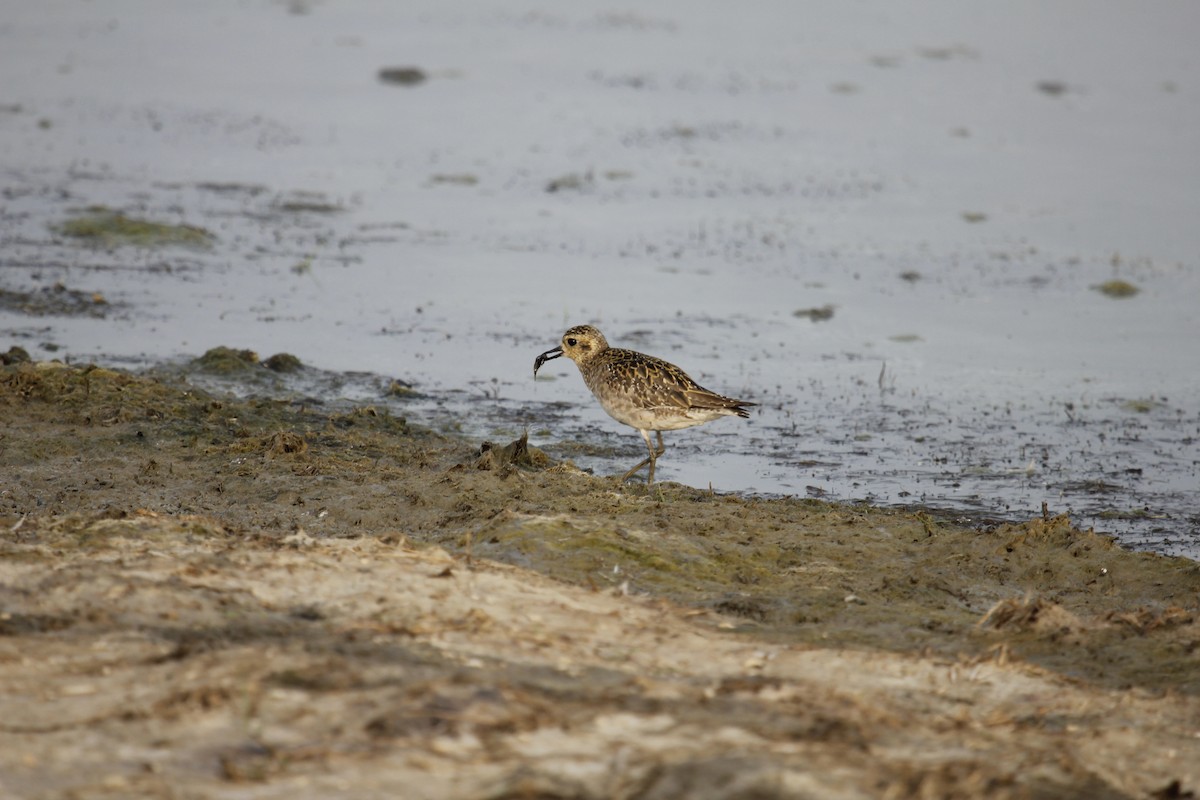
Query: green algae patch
[(226, 361), (283, 362), (1116, 289), (1142, 405), (823, 574), (454, 179), (109, 228), (223, 360), (307, 203), (600, 553)]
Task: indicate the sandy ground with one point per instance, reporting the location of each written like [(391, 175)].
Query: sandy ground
[(211, 597)]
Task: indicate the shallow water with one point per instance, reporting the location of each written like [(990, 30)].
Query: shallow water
[(954, 184)]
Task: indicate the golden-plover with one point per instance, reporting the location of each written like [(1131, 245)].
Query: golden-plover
[(641, 391)]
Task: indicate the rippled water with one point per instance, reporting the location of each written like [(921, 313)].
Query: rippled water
[(949, 188)]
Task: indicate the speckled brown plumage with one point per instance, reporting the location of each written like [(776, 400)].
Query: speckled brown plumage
[(641, 391)]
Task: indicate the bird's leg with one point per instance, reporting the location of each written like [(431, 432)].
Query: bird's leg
[(629, 474), (654, 454), (650, 460)]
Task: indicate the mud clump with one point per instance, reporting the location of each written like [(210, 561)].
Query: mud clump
[(515, 454), (817, 314), (226, 361), (56, 300), (232, 361), (283, 443), (15, 355), (283, 362), (402, 76)]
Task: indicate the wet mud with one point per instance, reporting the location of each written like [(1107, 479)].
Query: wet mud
[(207, 595)]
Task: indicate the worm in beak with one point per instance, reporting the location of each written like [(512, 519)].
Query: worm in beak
[(544, 357)]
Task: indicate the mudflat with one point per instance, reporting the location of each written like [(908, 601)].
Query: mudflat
[(206, 596)]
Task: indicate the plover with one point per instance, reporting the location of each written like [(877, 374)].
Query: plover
[(641, 391)]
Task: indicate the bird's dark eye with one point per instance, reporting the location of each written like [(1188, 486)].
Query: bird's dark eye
[(572, 342)]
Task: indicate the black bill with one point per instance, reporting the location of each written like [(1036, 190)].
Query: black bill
[(544, 357)]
